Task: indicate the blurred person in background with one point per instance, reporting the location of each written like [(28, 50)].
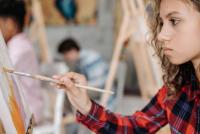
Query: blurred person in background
[(21, 52), (84, 61)]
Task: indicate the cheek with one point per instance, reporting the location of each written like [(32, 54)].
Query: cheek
[(6, 34), (189, 39), (183, 51), (2, 29), (195, 50), (188, 49), (70, 57), (193, 43), (66, 57)]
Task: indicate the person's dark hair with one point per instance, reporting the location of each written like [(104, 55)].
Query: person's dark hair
[(14, 9), (174, 76), (67, 45)]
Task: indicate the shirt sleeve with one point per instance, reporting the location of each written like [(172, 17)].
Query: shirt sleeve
[(148, 120)]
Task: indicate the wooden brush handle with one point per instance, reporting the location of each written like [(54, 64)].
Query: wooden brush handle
[(44, 78)]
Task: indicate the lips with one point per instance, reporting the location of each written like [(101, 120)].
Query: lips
[(167, 49)]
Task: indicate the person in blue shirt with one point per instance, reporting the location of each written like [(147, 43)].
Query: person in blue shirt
[(84, 61)]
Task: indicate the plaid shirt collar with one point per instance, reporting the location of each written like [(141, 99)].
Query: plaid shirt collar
[(193, 89)]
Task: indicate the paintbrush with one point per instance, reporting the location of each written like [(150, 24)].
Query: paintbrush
[(47, 79)]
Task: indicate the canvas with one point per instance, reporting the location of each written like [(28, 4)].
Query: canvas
[(14, 114)]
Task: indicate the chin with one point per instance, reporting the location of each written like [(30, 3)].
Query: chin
[(176, 61)]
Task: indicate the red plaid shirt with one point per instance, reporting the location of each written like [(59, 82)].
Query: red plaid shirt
[(181, 113)]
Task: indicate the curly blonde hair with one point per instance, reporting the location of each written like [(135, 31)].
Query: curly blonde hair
[(174, 76)]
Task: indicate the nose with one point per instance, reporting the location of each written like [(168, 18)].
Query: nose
[(164, 34)]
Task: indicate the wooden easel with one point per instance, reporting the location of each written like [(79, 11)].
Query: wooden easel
[(147, 67), (39, 24), (134, 12), (37, 31), (124, 33)]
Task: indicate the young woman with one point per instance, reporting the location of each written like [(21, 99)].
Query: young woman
[(176, 39)]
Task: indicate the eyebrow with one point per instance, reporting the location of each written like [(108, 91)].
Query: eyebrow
[(170, 14)]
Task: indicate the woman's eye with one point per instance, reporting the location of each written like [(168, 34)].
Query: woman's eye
[(174, 21)]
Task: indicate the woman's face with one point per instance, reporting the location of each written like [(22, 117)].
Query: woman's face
[(180, 31)]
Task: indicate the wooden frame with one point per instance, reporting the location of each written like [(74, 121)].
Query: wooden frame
[(147, 67), (37, 32), (124, 33), (134, 14)]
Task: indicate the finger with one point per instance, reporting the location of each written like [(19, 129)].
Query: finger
[(73, 75), (70, 87), (67, 82), (57, 76), (76, 77), (58, 86)]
